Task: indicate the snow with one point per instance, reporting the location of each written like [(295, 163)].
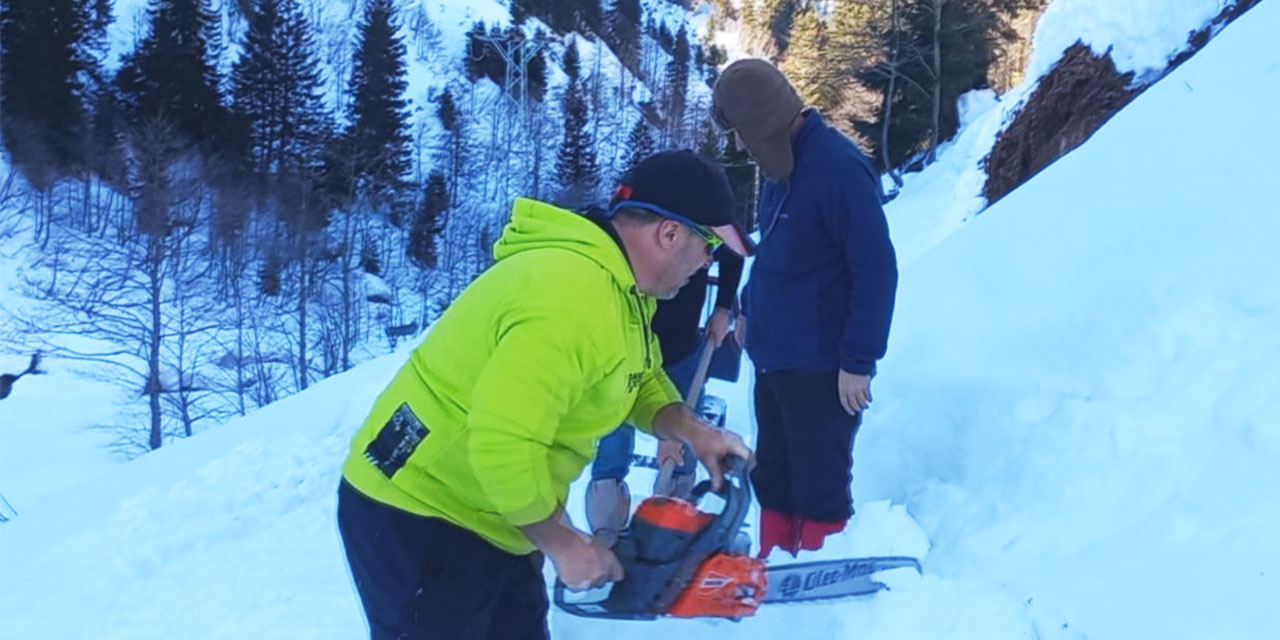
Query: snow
[(1141, 35), (32, 434), (1075, 428)]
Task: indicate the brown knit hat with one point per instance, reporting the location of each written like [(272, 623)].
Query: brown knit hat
[(753, 98)]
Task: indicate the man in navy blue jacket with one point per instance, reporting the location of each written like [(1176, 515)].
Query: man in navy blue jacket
[(817, 306)]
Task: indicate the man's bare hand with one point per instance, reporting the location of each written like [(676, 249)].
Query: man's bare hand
[(718, 325), (855, 391), (670, 451), (581, 561), (585, 563), (712, 446)]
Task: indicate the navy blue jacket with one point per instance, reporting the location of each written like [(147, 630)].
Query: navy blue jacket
[(821, 291)]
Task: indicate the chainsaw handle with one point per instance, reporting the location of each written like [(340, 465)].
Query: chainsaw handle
[(736, 492), (734, 467)]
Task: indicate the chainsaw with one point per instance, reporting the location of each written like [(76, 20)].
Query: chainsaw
[(682, 562)]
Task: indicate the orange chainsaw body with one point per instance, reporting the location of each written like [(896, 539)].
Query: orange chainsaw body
[(725, 586)]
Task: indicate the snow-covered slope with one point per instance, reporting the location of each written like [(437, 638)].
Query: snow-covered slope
[(1079, 411), (1141, 36), (88, 418)]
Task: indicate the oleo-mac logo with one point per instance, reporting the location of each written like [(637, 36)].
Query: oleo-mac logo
[(820, 577)]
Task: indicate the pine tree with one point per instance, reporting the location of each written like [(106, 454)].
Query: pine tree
[(807, 65), (428, 222), (537, 75), (277, 90), (930, 51), (624, 31), (377, 115), (851, 34), (46, 49), (677, 86), (640, 144), (571, 63), (576, 166), (172, 75), (474, 56), (773, 20), (562, 16), (426, 37), (451, 120)]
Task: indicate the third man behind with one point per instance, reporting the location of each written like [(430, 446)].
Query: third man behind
[(817, 305)]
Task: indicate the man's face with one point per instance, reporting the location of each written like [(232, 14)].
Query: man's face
[(686, 253)]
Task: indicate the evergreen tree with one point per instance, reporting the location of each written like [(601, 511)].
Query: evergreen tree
[(640, 144), (677, 85), (563, 16), (576, 166), (771, 25), (451, 120), (46, 52), (377, 115), (571, 63), (108, 121), (172, 74), (537, 70), (277, 90), (426, 37), (851, 36), (807, 65), (624, 31), (428, 222), (473, 57)]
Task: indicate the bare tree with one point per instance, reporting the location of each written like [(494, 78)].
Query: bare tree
[(124, 300)]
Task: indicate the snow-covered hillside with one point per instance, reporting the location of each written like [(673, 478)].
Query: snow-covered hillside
[(1141, 36), (1076, 428), (105, 408)]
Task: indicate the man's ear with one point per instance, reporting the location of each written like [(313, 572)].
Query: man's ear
[(668, 233)]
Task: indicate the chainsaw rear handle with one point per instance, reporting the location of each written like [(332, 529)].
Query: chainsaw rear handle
[(718, 535), (736, 492)]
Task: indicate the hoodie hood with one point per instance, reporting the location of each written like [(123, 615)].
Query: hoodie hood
[(538, 225)]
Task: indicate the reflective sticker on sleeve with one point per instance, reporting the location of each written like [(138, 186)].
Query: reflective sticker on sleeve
[(396, 441)]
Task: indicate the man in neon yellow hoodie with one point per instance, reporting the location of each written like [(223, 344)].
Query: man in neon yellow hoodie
[(455, 486)]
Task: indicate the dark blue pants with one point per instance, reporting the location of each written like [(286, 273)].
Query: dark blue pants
[(613, 454), (426, 578), (804, 445)]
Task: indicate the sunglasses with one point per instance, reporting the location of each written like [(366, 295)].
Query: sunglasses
[(706, 235)]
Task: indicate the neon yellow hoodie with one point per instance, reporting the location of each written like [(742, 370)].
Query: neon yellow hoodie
[(502, 404)]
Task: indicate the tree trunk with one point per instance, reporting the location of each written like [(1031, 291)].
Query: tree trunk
[(302, 314), (239, 303), (153, 348), (345, 339), (937, 79), (888, 96)]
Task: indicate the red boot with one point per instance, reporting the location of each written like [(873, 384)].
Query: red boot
[(814, 532), (777, 529)]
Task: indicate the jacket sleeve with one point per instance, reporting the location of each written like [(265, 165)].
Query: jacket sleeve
[(656, 392), (730, 276), (538, 370), (857, 222)]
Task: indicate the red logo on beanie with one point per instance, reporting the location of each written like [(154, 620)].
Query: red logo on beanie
[(623, 192)]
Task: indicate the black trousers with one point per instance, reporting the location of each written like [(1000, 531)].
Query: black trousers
[(804, 445), (426, 578)]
